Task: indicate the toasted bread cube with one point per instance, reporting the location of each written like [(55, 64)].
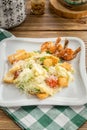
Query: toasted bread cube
[(19, 55), (67, 66), (8, 78), (42, 95), (48, 62), (62, 81)]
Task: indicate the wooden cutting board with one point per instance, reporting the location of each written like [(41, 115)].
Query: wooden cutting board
[(66, 12)]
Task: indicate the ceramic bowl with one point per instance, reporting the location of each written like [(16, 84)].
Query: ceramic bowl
[(75, 2)]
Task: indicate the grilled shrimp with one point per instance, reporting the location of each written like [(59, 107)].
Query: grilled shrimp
[(48, 47), (66, 53), (59, 50)]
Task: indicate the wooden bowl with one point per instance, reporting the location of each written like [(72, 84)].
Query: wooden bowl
[(76, 7), (62, 11)]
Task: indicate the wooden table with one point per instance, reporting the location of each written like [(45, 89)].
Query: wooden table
[(47, 25)]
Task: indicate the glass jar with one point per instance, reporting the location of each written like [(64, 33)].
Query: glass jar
[(37, 7), (12, 13)]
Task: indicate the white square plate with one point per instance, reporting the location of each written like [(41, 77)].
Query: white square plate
[(75, 94)]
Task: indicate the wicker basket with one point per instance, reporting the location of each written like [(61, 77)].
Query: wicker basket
[(12, 13)]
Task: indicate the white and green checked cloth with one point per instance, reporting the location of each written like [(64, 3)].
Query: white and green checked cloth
[(46, 117)]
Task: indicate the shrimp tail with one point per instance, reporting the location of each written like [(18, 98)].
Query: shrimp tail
[(77, 50), (66, 43), (57, 41)]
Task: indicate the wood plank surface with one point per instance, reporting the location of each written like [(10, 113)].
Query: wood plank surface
[(47, 25), (50, 21)]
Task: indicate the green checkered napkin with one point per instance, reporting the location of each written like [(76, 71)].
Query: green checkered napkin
[(46, 117)]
